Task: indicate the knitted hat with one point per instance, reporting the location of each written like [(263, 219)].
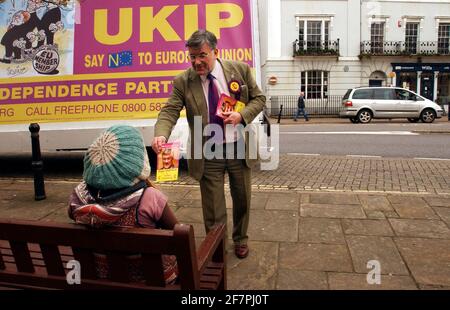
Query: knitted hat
[(116, 159)]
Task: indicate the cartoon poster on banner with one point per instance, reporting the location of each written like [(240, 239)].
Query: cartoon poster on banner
[(167, 162), (36, 37), (83, 60)]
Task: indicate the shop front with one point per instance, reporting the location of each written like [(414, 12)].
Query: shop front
[(430, 80)]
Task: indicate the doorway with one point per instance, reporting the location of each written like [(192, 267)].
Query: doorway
[(426, 85), (377, 79), (375, 83)]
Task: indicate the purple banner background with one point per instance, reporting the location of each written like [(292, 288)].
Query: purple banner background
[(86, 44)]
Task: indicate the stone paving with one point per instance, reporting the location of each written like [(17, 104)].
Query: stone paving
[(303, 239), (315, 222), (294, 173), (340, 173)]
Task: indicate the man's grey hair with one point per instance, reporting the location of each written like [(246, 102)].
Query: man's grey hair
[(200, 37)]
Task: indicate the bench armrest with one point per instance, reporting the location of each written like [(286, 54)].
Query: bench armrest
[(209, 246)]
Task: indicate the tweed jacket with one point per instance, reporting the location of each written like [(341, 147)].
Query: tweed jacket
[(188, 93)]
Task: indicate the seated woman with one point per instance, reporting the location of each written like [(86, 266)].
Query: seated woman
[(116, 191)]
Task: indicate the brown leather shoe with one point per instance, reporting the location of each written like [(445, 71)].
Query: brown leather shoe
[(241, 250)]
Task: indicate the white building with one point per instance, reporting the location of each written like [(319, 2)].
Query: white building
[(325, 47)]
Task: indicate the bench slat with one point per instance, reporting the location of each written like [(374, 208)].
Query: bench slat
[(52, 260), (187, 267), (117, 267), (2, 263), (207, 286), (125, 239), (22, 256), (210, 279), (86, 260), (153, 274), (212, 272)]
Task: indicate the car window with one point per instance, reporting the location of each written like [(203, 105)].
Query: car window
[(383, 94), (347, 94), (403, 94), (413, 96), (362, 94)]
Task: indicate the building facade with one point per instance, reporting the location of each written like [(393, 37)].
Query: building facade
[(324, 47)]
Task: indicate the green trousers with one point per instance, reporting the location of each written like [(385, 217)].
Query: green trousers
[(213, 195)]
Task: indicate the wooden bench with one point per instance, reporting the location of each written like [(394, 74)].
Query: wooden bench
[(34, 255)]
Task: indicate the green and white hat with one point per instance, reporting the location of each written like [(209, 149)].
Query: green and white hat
[(116, 159)]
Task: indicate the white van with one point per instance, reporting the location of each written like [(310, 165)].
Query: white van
[(362, 104)]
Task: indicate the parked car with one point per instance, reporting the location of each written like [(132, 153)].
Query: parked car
[(362, 104)]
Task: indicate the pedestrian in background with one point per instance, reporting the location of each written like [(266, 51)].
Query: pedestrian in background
[(301, 107)]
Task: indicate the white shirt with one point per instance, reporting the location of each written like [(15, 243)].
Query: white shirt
[(222, 87), (220, 81)]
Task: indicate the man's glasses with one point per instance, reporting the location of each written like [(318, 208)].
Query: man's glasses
[(201, 56)]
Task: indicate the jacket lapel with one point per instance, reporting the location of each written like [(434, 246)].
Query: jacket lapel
[(229, 73), (195, 85)]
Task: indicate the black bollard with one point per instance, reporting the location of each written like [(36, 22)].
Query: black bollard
[(448, 112), (279, 114), (267, 122), (37, 164)]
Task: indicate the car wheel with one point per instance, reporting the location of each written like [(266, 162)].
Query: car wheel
[(354, 120), (428, 116), (413, 119), (364, 116)]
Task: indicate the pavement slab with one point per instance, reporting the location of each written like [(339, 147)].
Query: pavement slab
[(412, 207), (273, 225), (257, 271), (259, 200), (175, 194), (366, 248), (283, 201), (185, 203), (368, 227), (58, 215), (444, 214), (353, 281), (331, 211), (434, 287), (320, 230), (318, 257), (375, 215), (428, 259), (30, 211), (438, 201), (375, 203), (191, 215), (301, 280), (420, 228), (332, 198)]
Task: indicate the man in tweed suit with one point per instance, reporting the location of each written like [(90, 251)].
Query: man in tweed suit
[(193, 90)]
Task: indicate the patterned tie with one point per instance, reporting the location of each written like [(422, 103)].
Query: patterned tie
[(213, 99)]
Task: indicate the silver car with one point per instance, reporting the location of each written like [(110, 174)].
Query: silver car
[(362, 104)]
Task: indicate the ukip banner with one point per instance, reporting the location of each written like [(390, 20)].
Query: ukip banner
[(86, 60)]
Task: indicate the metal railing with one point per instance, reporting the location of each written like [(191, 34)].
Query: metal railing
[(402, 48), (287, 105), (316, 48)]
